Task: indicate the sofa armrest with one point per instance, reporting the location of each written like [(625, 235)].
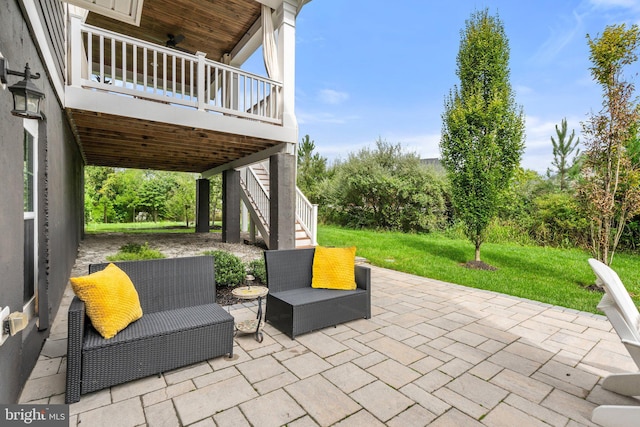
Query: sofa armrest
[(363, 277), (363, 281), (75, 329)]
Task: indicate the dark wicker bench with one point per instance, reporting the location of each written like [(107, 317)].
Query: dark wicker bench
[(181, 325), (294, 307)]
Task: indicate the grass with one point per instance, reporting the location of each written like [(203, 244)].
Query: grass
[(140, 227), (550, 275)]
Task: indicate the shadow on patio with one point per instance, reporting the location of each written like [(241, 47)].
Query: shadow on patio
[(433, 353)]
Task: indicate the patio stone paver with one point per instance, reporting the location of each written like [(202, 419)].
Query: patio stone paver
[(572, 406), (381, 400), (230, 418), (204, 402), (393, 373), (434, 354), (127, 412), (161, 414), (42, 387), (349, 377), (396, 350), (272, 410), (137, 388), (455, 418), (306, 365), (537, 411), (360, 419), (508, 416), (321, 344), (479, 391), (257, 370), (323, 401), (524, 386), (415, 416)]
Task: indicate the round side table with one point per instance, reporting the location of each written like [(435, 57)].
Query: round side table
[(250, 293)]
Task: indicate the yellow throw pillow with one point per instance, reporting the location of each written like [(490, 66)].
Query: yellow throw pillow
[(334, 268), (110, 298)]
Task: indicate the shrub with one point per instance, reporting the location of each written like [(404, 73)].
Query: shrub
[(134, 252), (258, 270), (558, 221), (230, 270), (386, 189)]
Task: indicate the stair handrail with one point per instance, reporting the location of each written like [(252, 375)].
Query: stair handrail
[(258, 194), (307, 216)]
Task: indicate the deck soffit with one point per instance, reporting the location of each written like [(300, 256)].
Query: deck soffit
[(110, 140)]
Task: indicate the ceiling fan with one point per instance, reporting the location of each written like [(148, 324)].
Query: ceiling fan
[(173, 41)]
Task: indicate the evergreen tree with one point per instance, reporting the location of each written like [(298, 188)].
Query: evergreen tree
[(562, 150), (483, 128)]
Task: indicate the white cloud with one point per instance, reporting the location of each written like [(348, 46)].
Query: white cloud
[(426, 145), (560, 38), (307, 118), (332, 97), (523, 90)]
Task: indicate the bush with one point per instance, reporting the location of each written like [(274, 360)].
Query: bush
[(135, 252), (230, 270), (558, 221), (386, 189), (258, 270)]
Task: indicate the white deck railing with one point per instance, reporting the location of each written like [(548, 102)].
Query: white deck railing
[(120, 64), (307, 216)]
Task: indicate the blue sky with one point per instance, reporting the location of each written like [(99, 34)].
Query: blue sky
[(367, 68)]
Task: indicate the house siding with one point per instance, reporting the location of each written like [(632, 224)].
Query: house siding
[(60, 217)]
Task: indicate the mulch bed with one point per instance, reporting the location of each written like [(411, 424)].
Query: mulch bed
[(479, 265), (225, 297)]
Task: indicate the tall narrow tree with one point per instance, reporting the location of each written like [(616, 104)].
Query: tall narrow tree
[(611, 185), (483, 128), (562, 150)]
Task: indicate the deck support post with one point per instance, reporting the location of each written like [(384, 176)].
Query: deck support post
[(202, 205), (282, 211), (231, 206)]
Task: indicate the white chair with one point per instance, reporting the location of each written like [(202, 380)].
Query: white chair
[(625, 318)]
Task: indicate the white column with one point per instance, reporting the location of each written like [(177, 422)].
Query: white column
[(286, 19), (77, 55)]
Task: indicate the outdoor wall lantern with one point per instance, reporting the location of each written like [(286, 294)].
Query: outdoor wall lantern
[(26, 95)]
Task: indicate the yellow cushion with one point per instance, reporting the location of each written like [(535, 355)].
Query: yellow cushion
[(110, 298), (334, 268)]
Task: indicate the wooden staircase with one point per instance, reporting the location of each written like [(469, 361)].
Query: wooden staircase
[(255, 196)]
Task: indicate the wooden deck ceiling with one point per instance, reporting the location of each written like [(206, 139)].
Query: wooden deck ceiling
[(109, 140)]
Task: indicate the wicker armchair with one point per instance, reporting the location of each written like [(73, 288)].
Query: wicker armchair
[(181, 325), (294, 307)]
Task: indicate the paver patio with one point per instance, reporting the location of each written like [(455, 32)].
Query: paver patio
[(433, 353)]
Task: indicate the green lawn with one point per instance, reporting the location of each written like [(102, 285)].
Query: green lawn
[(140, 227), (550, 275)]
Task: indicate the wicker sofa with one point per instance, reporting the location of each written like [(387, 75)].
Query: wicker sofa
[(294, 307), (181, 325)]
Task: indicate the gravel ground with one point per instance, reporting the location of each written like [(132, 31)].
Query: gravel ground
[(95, 248)]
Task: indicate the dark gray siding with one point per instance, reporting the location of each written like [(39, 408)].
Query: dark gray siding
[(60, 202), (52, 16)]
